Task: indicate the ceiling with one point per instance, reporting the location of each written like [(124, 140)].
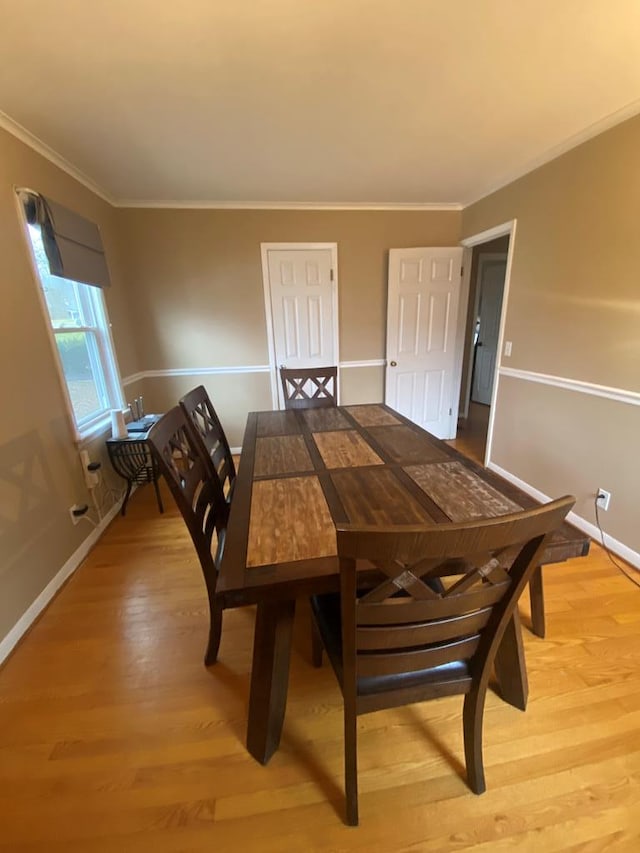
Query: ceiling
[(338, 102)]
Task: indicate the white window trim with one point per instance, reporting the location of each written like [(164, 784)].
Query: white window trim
[(101, 423)]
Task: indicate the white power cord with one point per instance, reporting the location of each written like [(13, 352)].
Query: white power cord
[(620, 568)]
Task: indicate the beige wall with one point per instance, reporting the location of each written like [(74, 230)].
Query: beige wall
[(196, 280), (574, 312), (40, 475)]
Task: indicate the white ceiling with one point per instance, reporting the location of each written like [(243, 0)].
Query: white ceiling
[(319, 101)]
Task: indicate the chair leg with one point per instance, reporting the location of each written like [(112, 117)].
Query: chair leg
[(472, 715), (351, 765), (316, 644), (215, 632)]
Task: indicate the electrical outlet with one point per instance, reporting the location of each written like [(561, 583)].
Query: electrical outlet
[(90, 470), (602, 499), (77, 511), (507, 349)]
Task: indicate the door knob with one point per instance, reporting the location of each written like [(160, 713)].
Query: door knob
[(393, 364)]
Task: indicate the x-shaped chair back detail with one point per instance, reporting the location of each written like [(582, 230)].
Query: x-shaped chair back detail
[(208, 432), (309, 388)]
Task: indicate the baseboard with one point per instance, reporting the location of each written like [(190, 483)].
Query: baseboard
[(23, 624), (619, 548)]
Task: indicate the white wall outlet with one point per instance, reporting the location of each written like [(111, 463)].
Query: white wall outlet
[(91, 478), (602, 499), (76, 518), (507, 348)]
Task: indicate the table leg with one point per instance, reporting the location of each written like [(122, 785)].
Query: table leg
[(536, 596), (126, 497), (158, 498), (510, 665), (269, 677)]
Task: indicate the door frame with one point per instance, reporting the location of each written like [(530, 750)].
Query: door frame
[(506, 228), (265, 248), (483, 258)]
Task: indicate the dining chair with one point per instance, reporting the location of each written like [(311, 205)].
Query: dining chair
[(309, 387), (404, 641), (199, 496), (208, 432)]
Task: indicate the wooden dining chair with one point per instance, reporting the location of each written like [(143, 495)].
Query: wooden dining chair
[(208, 432), (403, 641), (309, 388), (201, 501)]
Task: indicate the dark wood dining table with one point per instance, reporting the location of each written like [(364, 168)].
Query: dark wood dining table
[(301, 472)]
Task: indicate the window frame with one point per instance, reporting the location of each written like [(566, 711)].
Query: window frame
[(88, 427)]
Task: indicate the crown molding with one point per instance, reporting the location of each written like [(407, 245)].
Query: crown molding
[(628, 111), (168, 204), (24, 135), (595, 129)]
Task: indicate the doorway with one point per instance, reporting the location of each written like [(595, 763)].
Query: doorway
[(489, 258), (486, 324), (301, 306)]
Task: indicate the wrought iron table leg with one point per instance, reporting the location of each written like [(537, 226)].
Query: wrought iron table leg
[(157, 488), (126, 497)]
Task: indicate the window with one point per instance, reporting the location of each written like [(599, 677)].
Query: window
[(80, 328)]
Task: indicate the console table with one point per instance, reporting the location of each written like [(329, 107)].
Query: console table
[(132, 459)]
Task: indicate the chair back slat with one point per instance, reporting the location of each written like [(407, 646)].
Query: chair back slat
[(414, 634), (438, 608), (309, 388), (396, 663), (208, 432)]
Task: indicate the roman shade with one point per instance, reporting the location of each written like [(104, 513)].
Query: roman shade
[(73, 244)]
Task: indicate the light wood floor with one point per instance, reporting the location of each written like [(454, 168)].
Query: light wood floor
[(114, 737), (471, 437)]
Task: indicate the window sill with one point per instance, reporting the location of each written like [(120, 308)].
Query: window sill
[(93, 431)]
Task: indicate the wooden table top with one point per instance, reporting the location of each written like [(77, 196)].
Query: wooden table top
[(303, 471)]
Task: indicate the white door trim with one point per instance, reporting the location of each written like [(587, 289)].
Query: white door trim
[(475, 240), (265, 248), (467, 257)]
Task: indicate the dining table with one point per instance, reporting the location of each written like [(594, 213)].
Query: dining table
[(304, 471)]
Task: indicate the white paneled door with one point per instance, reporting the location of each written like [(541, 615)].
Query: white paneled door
[(422, 315), (303, 301)]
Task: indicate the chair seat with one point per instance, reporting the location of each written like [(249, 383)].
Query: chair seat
[(326, 609)]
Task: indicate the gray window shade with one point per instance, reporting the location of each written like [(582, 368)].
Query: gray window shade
[(72, 243)]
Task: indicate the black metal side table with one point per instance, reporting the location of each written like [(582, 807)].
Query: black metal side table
[(132, 459)]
